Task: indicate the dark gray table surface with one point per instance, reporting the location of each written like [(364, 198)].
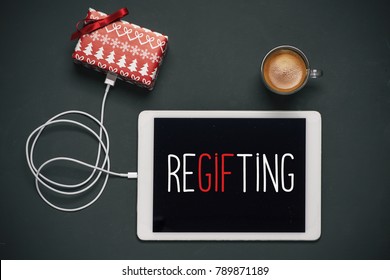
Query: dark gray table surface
[(216, 48)]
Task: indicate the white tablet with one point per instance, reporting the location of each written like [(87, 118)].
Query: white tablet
[(229, 175)]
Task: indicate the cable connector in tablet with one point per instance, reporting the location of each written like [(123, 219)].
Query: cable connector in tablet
[(132, 175)]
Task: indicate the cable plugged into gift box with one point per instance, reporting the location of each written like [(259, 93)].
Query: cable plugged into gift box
[(141, 70), (110, 79), (99, 169)]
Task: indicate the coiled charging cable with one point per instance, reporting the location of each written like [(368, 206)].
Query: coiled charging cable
[(97, 170)]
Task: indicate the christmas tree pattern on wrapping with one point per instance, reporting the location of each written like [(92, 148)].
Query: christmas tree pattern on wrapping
[(78, 46), (88, 49), (144, 70), (154, 73), (111, 57), (135, 53), (122, 61), (99, 54), (133, 65)]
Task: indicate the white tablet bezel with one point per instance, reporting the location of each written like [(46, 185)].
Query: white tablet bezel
[(145, 176)]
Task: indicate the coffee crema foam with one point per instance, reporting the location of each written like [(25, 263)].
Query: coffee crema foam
[(284, 70)]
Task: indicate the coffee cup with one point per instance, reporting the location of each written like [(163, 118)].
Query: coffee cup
[(285, 70)]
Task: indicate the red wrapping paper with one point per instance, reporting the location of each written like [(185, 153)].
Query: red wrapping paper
[(132, 52)]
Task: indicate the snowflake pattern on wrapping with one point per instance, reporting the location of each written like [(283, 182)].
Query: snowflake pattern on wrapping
[(104, 39), (125, 47), (144, 54), (133, 52), (115, 43), (154, 58), (95, 36)]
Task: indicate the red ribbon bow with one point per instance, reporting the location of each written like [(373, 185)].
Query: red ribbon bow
[(91, 25)]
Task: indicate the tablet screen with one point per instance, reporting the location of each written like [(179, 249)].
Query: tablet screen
[(229, 175)]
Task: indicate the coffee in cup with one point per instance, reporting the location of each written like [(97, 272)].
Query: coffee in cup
[(285, 70)]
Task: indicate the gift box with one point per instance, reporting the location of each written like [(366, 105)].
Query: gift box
[(132, 52)]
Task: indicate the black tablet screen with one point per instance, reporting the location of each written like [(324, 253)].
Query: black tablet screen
[(229, 175)]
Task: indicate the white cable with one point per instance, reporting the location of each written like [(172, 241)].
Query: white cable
[(97, 170)]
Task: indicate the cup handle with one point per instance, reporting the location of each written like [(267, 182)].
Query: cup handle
[(315, 73)]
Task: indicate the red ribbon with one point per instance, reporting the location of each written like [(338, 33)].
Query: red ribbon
[(91, 25)]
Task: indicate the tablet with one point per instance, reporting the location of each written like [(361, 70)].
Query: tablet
[(229, 175)]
